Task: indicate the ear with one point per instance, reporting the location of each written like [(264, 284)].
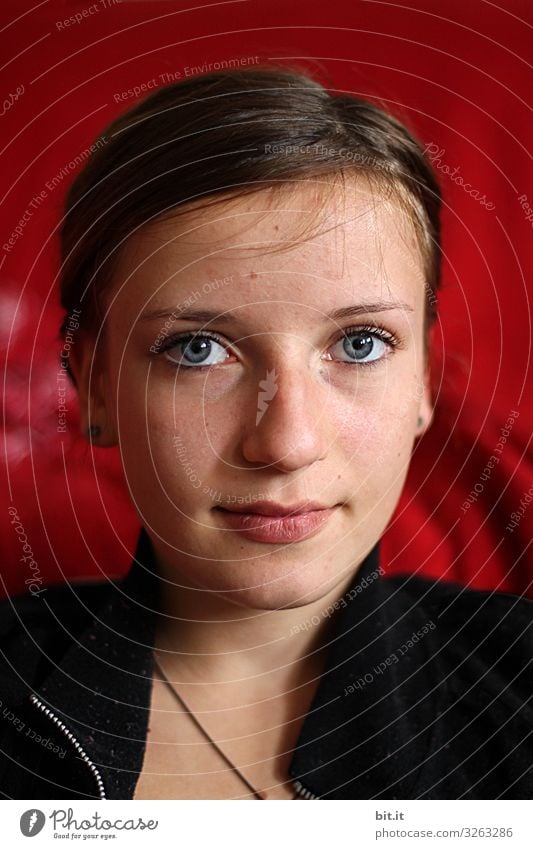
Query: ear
[(426, 406), (88, 371)]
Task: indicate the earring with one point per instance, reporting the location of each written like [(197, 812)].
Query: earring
[(420, 421), (93, 431)]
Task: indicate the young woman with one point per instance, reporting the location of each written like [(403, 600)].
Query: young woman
[(253, 263)]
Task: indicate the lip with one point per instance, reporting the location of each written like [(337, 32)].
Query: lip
[(276, 528), (270, 508)]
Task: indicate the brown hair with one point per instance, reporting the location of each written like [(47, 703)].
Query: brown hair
[(231, 133)]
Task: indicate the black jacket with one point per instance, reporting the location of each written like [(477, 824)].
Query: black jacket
[(427, 691)]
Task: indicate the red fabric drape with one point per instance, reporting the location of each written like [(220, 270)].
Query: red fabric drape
[(458, 74)]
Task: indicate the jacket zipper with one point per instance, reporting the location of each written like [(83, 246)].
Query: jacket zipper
[(298, 786), (83, 755), (303, 791)]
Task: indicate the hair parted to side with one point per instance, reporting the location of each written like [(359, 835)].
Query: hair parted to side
[(228, 134)]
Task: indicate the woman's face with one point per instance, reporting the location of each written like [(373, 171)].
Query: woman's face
[(300, 393)]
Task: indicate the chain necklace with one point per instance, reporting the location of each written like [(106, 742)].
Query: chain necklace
[(243, 778)]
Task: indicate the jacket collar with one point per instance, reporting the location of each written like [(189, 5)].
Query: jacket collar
[(368, 724), (373, 722)]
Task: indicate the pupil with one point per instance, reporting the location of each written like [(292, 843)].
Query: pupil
[(197, 348), (362, 345)]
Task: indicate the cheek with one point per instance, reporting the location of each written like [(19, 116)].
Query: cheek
[(171, 441), (375, 429)]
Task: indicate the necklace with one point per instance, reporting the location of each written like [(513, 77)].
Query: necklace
[(199, 725)]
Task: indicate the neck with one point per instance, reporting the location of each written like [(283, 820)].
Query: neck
[(203, 638)]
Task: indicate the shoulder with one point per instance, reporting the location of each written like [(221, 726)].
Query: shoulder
[(479, 658), (31, 610), (36, 630), (457, 605), (481, 635)]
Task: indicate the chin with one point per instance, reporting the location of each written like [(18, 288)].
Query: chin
[(270, 593)]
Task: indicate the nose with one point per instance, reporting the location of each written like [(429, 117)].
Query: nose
[(286, 421)]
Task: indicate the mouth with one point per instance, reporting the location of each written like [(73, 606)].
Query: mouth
[(271, 508), (292, 525)]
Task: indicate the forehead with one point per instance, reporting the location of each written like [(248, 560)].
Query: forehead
[(309, 243)]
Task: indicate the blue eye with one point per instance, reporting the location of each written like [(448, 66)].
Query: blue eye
[(364, 345), (194, 350), (361, 346)]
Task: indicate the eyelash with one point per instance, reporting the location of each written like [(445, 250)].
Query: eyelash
[(374, 329)]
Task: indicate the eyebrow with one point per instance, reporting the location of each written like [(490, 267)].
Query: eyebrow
[(207, 315)]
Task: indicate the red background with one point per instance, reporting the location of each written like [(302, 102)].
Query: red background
[(457, 74)]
